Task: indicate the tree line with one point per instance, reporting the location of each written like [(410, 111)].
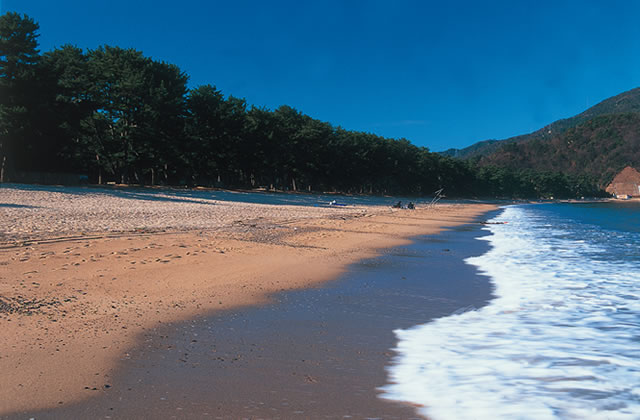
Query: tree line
[(119, 116)]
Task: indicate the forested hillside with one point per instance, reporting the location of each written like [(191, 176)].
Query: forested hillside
[(115, 115), (600, 147), (626, 102)]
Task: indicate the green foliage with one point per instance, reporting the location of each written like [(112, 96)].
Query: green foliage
[(18, 92), (130, 110), (18, 50), (497, 181)]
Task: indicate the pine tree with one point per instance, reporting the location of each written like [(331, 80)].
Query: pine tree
[(18, 60)]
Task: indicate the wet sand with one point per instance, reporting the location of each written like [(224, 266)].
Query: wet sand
[(313, 353), (77, 313)]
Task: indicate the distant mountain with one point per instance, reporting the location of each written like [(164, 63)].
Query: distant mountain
[(626, 102), (476, 149), (599, 147)]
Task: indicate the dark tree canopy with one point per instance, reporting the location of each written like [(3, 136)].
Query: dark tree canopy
[(18, 62)]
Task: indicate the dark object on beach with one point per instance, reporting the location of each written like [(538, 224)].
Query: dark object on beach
[(20, 305), (398, 205), (411, 206), (335, 203), (493, 223)]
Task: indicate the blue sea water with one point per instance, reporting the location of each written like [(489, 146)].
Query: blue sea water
[(560, 339)]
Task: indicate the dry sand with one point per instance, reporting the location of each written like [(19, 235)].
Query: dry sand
[(84, 274)]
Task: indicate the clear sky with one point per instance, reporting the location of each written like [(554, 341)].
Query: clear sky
[(439, 73)]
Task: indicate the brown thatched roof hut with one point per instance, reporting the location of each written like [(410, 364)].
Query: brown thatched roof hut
[(626, 182)]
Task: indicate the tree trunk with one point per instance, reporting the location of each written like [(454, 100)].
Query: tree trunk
[(99, 170), (3, 166), (293, 184), (153, 177), (125, 174)]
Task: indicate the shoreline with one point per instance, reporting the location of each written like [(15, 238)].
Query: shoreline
[(81, 305), (310, 353)]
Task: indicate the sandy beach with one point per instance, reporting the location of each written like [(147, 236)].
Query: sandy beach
[(86, 273)]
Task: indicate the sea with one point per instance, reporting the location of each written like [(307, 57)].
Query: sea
[(559, 340)]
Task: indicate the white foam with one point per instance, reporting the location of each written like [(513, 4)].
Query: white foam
[(560, 339)]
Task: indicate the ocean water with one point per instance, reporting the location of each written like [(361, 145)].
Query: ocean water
[(561, 338)]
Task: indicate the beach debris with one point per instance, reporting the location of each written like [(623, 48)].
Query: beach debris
[(25, 306), (437, 196)]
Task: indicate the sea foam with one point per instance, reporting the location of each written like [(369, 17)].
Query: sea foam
[(561, 338)]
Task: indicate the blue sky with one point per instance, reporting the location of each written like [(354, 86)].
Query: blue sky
[(441, 75)]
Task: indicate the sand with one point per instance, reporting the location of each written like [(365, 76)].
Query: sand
[(84, 274)]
